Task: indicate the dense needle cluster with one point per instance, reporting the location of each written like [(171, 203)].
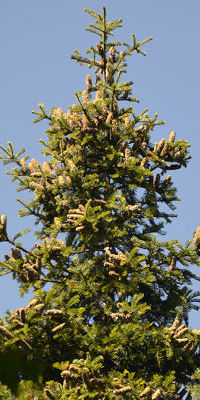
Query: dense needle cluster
[(112, 323)]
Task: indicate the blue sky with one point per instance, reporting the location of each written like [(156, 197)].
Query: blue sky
[(36, 41)]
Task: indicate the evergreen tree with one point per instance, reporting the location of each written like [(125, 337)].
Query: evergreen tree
[(109, 317)]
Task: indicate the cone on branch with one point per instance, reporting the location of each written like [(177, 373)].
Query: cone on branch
[(16, 253), (156, 394), (23, 164), (172, 264), (172, 137), (58, 328), (3, 225), (196, 237), (161, 145), (112, 54), (175, 324), (88, 81), (145, 392), (46, 167), (85, 97), (54, 312), (124, 389), (180, 333), (168, 178), (156, 181)]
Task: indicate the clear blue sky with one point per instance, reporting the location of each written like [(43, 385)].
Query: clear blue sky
[(36, 41)]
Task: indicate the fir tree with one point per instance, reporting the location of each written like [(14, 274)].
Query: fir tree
[(113, 323)]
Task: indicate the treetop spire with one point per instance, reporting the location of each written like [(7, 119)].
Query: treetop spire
[(113, 66)]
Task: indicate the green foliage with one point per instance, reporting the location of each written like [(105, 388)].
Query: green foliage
[(195, 386), (5, 393), (109, 317)]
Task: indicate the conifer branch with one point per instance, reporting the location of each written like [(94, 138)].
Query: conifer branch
[(21, 248), (85, 60)]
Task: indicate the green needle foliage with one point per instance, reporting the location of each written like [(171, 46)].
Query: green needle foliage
[(109, 317)]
